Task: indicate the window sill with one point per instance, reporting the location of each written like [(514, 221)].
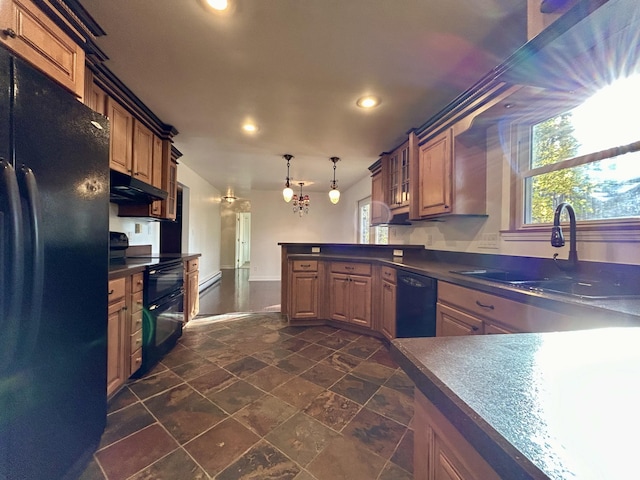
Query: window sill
[(624, 233)]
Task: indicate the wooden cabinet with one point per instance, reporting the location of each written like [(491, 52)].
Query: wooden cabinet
[(396, 171), (451, 176), (121, 139), (304, 289), (134, 353), (451, 322), (124, 337), (388, 302), (378, 212), (29, 33), (461, 310), (170, 182), (350, 293), (142, 157), (95, 97), (191, 289), (116, 336), (435, 165), (440, 451)]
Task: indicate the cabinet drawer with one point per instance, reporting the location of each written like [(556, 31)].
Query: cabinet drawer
[(351, 268), (136, 302), (136, 340), (305, 265), (192, 265), (510, 315), (117, 289), (136, 321), (137, 282), (136, 361), (389, 274)]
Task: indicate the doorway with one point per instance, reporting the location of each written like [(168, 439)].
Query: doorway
[(243, 239)]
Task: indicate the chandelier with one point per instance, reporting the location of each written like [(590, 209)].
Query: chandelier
[(287, 193), (334, 193), (301, 202)]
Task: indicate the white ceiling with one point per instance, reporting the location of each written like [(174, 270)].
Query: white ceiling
[(296, 68)]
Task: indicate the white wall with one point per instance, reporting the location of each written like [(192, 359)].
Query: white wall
[(349, 201), (273, 221), (201, 219)]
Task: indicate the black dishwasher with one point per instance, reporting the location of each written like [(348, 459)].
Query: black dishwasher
[(415, 306)]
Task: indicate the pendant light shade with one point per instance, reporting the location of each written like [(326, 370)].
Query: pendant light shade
[(287, 192), (334, 193)]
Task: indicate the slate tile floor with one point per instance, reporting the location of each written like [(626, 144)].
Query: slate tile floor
[(249, 397)]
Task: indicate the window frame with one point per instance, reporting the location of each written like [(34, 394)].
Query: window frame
[(522, 133)]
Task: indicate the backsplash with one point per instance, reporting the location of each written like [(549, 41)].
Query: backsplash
[(139, 230)]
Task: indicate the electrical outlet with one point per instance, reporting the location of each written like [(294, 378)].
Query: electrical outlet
[(429, 240), (489, 241)]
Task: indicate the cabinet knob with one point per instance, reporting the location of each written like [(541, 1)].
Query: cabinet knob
[(9, 32)]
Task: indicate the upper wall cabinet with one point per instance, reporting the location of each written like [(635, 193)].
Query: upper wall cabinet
[(396, 171), (28, 32)]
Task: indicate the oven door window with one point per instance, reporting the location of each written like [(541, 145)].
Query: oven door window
[(162, 281), (163, 319)]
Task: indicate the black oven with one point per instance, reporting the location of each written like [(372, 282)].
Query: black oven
[(163, 312)]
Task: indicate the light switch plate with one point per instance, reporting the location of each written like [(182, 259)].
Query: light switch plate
[(397, 253)]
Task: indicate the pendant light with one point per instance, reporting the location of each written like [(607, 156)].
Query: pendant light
[(301, 203), (334, 193), (287, 193)]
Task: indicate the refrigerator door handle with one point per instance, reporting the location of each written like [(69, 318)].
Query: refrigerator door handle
[(12, 258), (34, 260)]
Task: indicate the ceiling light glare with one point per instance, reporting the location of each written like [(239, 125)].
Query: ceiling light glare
[(250, 128), (368, 102), (220, 5)]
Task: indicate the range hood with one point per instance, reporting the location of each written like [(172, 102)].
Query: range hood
[(126, 189)]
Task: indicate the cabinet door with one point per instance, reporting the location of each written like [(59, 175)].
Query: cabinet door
[(156, 176), (142, 152), (451, 322), (435, 167), (360, 300), (339, 297), (116, 346), (388, 299), (378, 207), (193, 295), (96, 99), (491, 329), (35, 37), (170, 205), (304, 295), (121, 140), (446, 464)]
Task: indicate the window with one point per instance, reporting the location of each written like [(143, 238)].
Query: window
[(588, 156), (366, 232)]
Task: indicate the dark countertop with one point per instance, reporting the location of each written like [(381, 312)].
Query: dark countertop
[(131, 265), (549, 405), (624, 308)]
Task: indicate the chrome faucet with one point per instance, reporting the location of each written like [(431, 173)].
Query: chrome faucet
[(557, 239)]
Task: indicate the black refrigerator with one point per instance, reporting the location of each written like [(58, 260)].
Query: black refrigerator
[(54, 216)]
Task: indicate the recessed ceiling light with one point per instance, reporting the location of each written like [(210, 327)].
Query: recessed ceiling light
[(368, 101), (250, 128), (218, 6)]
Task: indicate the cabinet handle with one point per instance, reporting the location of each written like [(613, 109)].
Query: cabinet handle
[(349, 268), (111, 292), (490, 307), (10, 32), (475, 329), (306, 265)]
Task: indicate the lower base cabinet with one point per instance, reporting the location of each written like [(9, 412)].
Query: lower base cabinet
[(350, 293), (191, 289), (124, 330), (440, 450), (116, 336)]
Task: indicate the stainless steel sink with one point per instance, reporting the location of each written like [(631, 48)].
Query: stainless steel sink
[(587, 289), (500, 275)]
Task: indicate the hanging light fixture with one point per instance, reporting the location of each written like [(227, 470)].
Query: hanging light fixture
[(301, 203), (334, 193), (287, 193), (229, 198)]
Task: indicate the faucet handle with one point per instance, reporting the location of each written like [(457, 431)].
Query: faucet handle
[(557, 238)]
